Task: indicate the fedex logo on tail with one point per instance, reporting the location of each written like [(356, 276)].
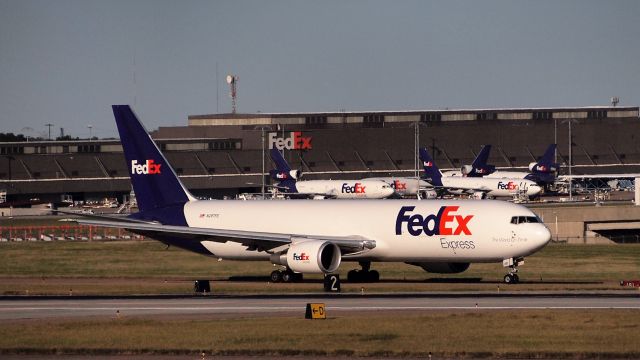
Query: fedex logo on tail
[(507, 186), (295, 141), (445, 222), (149, 167), (357, 188)]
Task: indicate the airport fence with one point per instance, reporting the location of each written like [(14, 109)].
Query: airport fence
[(64, 233)]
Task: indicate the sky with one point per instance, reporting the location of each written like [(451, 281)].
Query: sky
[(65, 62)]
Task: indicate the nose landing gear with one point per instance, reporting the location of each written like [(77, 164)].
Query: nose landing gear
[(512, 263)]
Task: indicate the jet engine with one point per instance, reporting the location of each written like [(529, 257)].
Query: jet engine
[(466, 169), (443, 268), (284, 175), (311, 257)]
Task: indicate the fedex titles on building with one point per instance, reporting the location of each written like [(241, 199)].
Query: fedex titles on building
[(294, 142), (149, 167), (445, 222)]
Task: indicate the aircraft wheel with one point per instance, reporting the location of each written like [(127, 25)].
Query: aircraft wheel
[(353, 276), (510, 279), (276, 276), (374, 276), (289, 276), (516, 278)]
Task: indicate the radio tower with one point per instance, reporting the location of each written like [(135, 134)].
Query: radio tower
[(232, 80)]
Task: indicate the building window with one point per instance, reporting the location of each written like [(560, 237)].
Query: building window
[(428, 117), (223, 145), (9, 150), (542, 115), (373, 120), (315, 121), (486, 116), (597, 114), (93, 148)]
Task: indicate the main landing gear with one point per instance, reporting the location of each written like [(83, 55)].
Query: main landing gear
[(286, 276), (364, 275), (512, 277)]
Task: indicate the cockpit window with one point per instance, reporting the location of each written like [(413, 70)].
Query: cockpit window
[(524, 219)]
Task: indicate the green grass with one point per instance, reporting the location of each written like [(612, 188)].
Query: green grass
[(535, 333), (149, 267)]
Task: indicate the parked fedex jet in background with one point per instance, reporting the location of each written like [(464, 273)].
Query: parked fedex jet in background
[(544, 171), (339, 189), (307, 236), (408, 186), (477, 186), (478, 167)]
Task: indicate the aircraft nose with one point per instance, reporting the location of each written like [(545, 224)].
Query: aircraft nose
[(539, 237)]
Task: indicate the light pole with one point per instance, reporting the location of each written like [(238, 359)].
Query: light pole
[(416, 149), (262, 129), (90, 131), (569, 122)]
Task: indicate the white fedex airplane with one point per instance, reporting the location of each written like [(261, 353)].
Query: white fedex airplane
[(408, 186), (319, 189), (307, 236), (478, 186)]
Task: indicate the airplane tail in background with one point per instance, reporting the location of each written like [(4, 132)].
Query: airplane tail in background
[(157, 188), (547, 158), (283, 174), (545, 170), (431, 171), (479, 167)]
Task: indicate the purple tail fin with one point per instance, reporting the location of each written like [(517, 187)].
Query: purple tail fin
[(154, 182)]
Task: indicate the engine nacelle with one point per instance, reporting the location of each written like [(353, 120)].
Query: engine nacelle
[(466, 169), (311, 257), (443, 268), (284, 175)]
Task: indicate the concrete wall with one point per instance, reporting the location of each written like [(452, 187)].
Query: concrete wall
[(570, 222)]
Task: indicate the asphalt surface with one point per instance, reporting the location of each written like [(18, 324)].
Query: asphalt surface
[(70, 307)]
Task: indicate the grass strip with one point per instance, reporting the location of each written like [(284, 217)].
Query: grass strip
[(150, 267), (517, 334)]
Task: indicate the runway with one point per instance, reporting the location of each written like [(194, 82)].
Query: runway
[(52, 308)]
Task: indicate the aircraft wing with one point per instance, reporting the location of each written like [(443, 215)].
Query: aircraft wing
[(599, 176), (265, 241)]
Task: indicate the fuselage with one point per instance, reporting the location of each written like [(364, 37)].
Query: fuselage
[(404, 186), (345, 189), (404, 230), (492, 186)]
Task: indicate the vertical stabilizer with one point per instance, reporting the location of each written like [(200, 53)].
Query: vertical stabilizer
[(431, 171), (154, 182), (283, 174)]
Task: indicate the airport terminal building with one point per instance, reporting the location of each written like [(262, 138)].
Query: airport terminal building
[(223, 154)]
